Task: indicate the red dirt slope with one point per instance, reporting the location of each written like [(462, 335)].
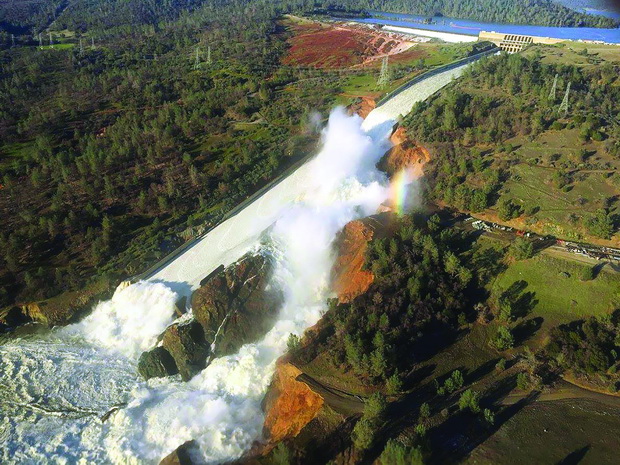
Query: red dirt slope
[(349, 279), (326, 46)]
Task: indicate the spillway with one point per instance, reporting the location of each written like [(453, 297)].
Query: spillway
[(56, 386), (227, 242)]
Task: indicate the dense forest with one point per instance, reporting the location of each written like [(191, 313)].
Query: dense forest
[(589, 348), (20, 16), (114, 153), (503, 97), (29, 16)]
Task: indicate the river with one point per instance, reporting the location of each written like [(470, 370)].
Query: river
[(56, 385), (469, 27)]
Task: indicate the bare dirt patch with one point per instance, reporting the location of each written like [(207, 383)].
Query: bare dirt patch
[(330, 46)]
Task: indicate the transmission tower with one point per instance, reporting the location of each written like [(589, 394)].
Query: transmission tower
[(209, 55), (12, 40), (564, 104), (197, 63), (51, 41), (553, 87), (92, 42), (40, 41), (81, 48), (384, 76)]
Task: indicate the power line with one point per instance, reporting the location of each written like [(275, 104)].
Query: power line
[(564, 104), (384, 75), (197, 63), (553, 87)]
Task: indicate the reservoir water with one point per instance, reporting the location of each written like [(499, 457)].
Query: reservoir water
[(469, 27)]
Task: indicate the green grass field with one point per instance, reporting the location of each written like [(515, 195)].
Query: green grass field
[(433, 55), (560, 295), (559, 432), (58, 47), (573, 53), (534, 167)]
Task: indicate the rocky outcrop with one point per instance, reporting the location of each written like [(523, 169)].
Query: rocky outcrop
[(181, 456), (232, 307), (188, 347), (180, 306), (157, 363), (349, 278), (124, 284), (362, 106), (237, 306), (289, 404), (405, 154), (11, 317), (65, 308)]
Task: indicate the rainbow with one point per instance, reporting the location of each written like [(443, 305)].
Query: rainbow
[(399, 188)]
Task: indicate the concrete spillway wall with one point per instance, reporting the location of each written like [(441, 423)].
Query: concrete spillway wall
[(433, 72), (228, 241), (445, 36)]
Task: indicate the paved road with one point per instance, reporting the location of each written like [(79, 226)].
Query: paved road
[(341, 401)]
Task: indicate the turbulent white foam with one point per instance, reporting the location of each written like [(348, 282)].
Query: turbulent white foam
[(53, 390), (130, 322), (220, 407)]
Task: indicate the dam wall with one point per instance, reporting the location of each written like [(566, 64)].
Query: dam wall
[(445, 36)]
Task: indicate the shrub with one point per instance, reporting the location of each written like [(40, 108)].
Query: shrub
[(453, 383), (523, 381), (394, 384), (364, 433), (601, 225), (293, 342), (507, 209), (425, 411), (504, 339), (396, 453), (470, 400), (489, 416), (281, 455), (521, 249), (587, 273), (374, 406)]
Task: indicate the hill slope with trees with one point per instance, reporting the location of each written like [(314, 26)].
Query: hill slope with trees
[(501, 145)]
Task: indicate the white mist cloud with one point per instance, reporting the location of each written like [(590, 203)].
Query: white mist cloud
[(131, 321)]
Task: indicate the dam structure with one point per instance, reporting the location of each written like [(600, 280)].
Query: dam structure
[(513, 43), (510, 38), (510, 43)]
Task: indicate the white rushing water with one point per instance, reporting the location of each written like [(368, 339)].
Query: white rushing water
[(55, 387)]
